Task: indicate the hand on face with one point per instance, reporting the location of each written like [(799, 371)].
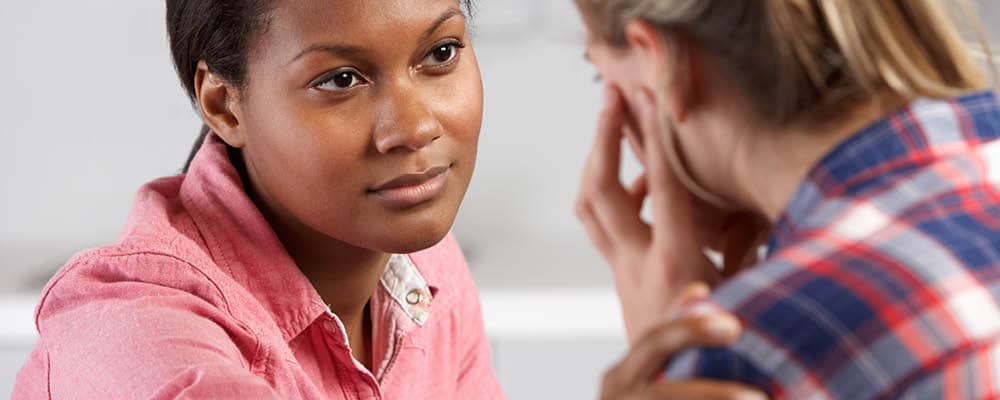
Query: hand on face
[(652, 262)]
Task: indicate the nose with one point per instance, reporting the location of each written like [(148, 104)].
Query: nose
[(406, 121)]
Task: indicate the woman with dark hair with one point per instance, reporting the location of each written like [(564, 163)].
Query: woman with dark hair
[(305, 253)]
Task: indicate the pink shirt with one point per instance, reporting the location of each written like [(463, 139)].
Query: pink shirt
[(199, 299)]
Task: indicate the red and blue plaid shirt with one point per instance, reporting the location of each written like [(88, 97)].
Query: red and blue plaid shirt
[(883, 274)]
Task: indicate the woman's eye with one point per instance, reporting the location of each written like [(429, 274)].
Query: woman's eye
[(340, 81), (443, 54)]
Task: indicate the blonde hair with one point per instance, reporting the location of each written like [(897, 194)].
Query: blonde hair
[(806, 61)]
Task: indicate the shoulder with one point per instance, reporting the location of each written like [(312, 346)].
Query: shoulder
[(159, 248), (851, 322), (112, 276)]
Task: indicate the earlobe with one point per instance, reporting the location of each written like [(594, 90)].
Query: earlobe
[(216, 101)]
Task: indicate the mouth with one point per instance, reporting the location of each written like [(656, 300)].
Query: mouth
[(412, 189)]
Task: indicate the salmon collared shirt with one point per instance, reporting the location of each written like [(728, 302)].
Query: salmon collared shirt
[(199, 299)]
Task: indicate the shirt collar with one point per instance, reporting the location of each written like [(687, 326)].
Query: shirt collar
[(243, 245), (915, 135)]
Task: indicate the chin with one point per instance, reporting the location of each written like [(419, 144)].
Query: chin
[(411, 235), (419, 228), (412, 241)]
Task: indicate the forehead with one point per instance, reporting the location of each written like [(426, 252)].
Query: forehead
[(353, 20)]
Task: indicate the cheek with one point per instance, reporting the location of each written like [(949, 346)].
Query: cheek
[(308, 140), (461, 112), (309, 159)]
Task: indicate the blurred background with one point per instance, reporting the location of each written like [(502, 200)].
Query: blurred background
[(91, 110)]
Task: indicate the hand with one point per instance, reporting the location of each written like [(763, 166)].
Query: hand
[(636, 376), (652, 262)]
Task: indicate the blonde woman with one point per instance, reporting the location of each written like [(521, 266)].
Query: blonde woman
[(862, 132)]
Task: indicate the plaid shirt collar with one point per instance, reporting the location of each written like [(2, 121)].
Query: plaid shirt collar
[(891, 147)]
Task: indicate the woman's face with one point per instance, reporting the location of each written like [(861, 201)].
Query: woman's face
[(705, 145), (361, 118)]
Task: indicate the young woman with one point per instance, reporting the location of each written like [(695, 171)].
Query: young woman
[(305, 253), (863, 132)]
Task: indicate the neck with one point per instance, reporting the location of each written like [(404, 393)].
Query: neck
[(768, 169), (344, 275)]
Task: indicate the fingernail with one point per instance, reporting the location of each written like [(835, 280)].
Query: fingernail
[(723, 326)]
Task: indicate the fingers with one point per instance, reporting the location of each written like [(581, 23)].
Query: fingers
[(703, 390), (693, 293), (585, 213), (646, 358), (742, 243), (608, 210), (638, 191), (605, 158), (634, 139), (671, 201), (737, 236)]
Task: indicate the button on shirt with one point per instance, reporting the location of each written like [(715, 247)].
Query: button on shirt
[(883, 275), (198, 299)]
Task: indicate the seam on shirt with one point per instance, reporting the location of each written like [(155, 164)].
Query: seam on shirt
[(48, 372), (216, 252), (71, 265), (93, 258), (211, 246), (397, 348), (347, 385)]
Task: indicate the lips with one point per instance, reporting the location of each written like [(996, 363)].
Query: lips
[(412, 189)]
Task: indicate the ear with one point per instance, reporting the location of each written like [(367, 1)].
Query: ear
[(648, 45), (665, 64), (218, 103)]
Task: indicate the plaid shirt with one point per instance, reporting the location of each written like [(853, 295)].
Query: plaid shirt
[(883, 274)]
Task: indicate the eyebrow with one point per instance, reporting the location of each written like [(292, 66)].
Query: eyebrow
[(351, 51), (448, 14)]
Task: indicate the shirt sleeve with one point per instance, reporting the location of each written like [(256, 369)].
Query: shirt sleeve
[(121, 339)]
